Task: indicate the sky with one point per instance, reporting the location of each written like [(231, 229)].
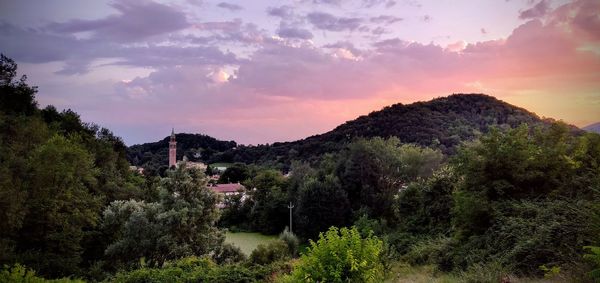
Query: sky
[(265, 71)]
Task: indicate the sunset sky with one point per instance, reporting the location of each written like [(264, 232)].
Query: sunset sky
[(265, 71)]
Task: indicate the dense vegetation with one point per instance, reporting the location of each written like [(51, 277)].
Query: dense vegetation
[(505, 199), (153, 157), (441, 123)]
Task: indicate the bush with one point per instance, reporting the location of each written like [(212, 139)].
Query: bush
[(228, 253), (489, 272), (291, 240), (341, 255), (437, 251), (274, 251), (194, 269), (21, 274)]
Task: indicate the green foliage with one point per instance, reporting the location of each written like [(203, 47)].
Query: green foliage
[(424, 207), (154, 156), (236, 173), (269, 212), (227, 254), (321, 203), (443, 123), (291, 240), (593, 255), (485, 272), (373, 171), (271, 252), (193, 269), (21, 274), (181, 223), (341, 255)]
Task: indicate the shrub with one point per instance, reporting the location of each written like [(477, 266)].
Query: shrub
[(265, 254), (593, 256), (489, 272), (341, 255), (228, 253), (437, 251), (21, 274), (291, 240)]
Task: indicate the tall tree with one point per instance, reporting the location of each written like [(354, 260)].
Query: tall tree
[(181, 223)]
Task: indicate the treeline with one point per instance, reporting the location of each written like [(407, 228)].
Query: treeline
[(523, 200), (71, 207), (57, 174), (442, 124), (153, 157)]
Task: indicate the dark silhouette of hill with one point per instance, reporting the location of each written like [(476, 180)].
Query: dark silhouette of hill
[(595, 128), (195, 147), (441, 123)]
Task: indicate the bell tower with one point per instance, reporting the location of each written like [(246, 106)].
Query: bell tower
[(172, 150)]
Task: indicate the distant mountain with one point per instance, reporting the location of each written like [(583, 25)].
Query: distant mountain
[(195, 147), (593, 128), (442, 123)]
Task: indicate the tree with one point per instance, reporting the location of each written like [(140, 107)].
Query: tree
[(341, 255), (237, 173), (269, 201), (181, 223), (373, 171), (15, 95), (60, 207), (321, 204)]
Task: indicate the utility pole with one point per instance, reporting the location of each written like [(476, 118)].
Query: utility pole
[(290, 207)]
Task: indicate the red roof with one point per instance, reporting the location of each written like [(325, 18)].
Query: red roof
[(228, 188)]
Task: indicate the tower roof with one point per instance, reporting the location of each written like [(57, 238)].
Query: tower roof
[(173, 134)]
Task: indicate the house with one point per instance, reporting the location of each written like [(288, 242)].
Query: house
[(229, 189)]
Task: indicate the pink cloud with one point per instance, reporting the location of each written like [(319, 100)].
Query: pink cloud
[(287, 90)]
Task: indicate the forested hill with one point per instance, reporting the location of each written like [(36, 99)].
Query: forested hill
[(441, 123), (196, 147)]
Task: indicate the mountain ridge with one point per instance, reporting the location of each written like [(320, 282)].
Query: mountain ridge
[(595, 128), (442, 123)]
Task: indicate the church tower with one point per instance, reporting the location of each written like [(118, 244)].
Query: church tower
[(172, 150)]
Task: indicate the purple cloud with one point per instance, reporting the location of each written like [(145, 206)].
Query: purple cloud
[(540, 9), (230, 6), (294, 32), (134, 21), (284, 12), (330, 22), (385, 19)]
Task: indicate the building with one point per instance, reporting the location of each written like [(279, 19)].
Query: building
[(228, 189), (172, 150)]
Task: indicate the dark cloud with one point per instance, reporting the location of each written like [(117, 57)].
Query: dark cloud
[(326, 21), (329, 2), (230, 6), (538, 10), (372, 3), (378, 31), (134, 21), (294, 32), (283, 12), (385, 19)]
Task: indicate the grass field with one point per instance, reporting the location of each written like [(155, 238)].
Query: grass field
[(221, 164), (247, 241)]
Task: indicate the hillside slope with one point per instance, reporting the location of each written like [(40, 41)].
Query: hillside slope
[(595, 128), (196, 147), (441, 123)]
